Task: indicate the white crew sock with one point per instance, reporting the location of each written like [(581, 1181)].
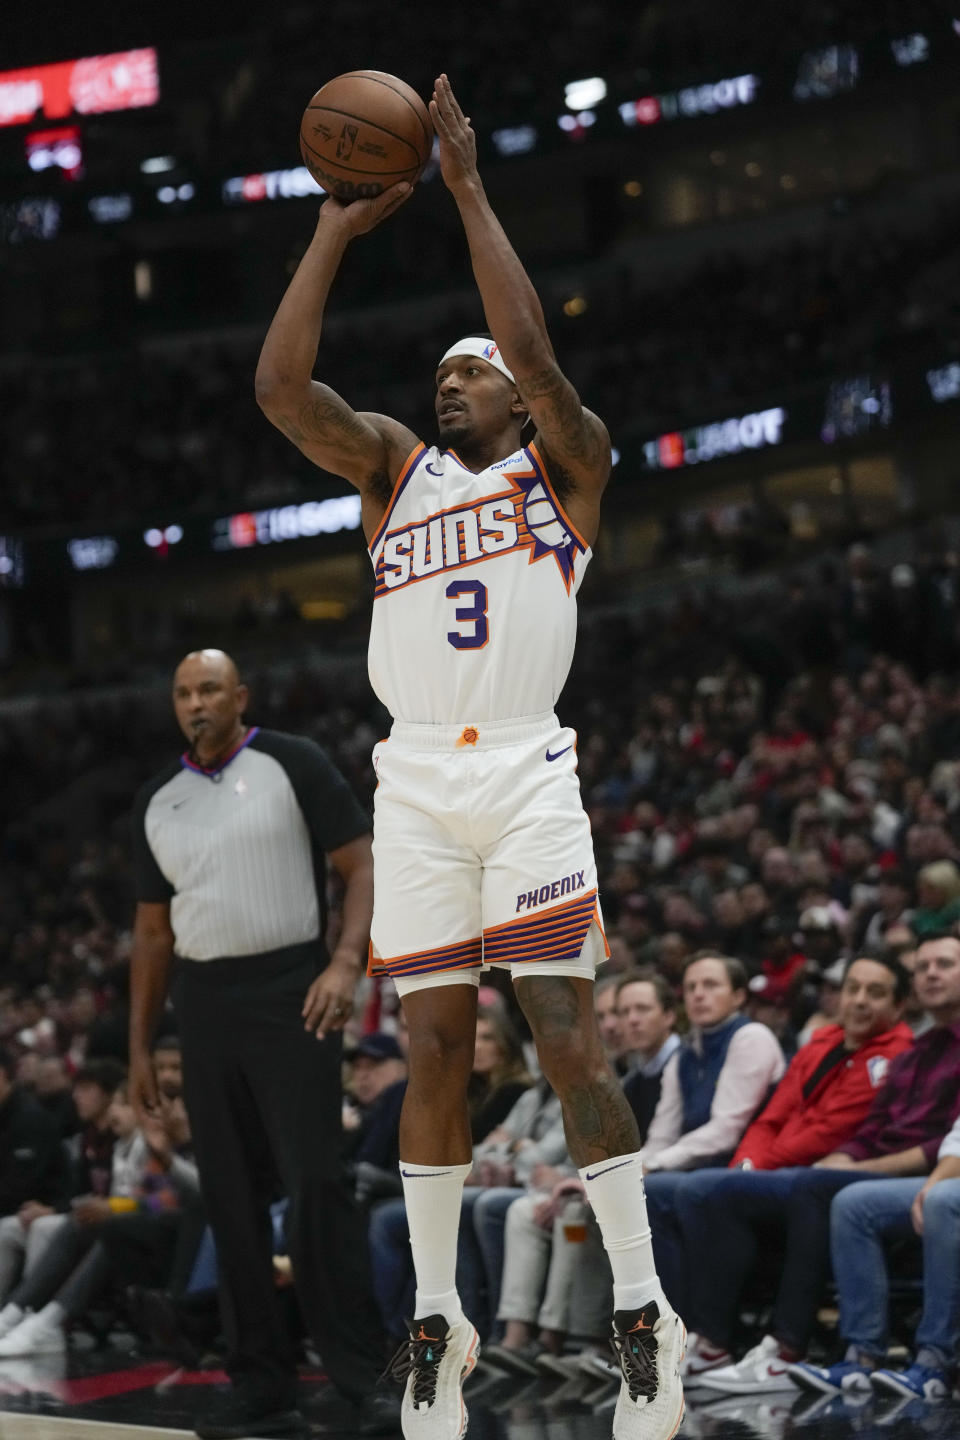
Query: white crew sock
[(433, 1194), (615, 1190)]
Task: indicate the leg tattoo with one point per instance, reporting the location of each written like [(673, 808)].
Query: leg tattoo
[(599, 1123)]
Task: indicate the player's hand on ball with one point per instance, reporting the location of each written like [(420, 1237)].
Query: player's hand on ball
[(458, 144), (362, 215)]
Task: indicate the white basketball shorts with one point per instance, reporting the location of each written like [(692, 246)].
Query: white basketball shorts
[(482, 855)]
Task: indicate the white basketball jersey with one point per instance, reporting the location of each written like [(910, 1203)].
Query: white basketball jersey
[(475, 611)]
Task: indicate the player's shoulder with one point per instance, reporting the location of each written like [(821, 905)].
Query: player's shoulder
[(399, 441), (587, 464)]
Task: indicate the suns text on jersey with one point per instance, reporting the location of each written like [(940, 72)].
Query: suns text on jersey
[(449, 540)]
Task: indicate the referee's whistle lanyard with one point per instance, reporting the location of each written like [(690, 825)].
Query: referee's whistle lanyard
[(215, 771)]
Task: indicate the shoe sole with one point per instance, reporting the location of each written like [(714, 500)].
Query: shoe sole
[(469, 1365), (35, 1352), (889, 1387), (813, 1385)]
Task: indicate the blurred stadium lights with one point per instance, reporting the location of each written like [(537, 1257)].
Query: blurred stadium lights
[(32, 219), (944, 383), (158, 539), (157, 164), (59, 149), (729, 94), (822, 74), (910, 49), (126, 80), (143, 280), (584, 94), (701, 443), (292, 184), (856, 406), (169, 194), (287, 522), (515, 140), (94, 552), (576, 305), (576, 126), (12, 567), (110, 209)]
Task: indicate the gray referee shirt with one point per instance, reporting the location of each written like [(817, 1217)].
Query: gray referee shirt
[(238, 851)]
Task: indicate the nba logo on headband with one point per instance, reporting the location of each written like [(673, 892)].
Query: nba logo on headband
[(483, 349)]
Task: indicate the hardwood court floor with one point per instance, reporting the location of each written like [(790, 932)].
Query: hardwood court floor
[(110, 1397)]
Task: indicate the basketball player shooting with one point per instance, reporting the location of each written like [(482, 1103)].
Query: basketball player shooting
[(482, 849)]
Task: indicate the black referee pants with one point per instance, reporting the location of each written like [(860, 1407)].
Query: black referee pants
[(264, 1102)]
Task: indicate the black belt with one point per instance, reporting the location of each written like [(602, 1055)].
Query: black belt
[(263, 965)]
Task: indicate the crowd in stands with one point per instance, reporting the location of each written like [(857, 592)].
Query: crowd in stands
[(775, 798), (95, 438)]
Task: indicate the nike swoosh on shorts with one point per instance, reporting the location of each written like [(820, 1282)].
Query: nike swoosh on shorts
[(557, 755)]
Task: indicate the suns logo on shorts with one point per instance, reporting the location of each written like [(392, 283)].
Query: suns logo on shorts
[(524, 517)]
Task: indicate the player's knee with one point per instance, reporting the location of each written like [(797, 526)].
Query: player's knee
[(571, 1061), (439, 1055)]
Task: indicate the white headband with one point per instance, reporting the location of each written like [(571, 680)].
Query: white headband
[(483, 349)]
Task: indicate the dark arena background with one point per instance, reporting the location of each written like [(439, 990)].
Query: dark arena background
[(743, 221)]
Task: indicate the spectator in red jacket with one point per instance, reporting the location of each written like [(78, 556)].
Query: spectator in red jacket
[(833, 1079), (900, 1135), (819, 1104)]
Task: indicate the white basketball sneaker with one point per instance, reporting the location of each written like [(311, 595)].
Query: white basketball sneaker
[(649, 1344), (434, 1363)]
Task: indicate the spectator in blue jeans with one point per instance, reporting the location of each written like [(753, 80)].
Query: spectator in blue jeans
[(862, 1218), (901, 1136), (713, 1086)]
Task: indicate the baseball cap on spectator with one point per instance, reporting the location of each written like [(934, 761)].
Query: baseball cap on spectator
[(890, 737), (378, 1046), (817, 917), (769, 990)]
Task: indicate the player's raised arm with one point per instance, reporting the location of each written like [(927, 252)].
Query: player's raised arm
[(571, 436), (366, 449)]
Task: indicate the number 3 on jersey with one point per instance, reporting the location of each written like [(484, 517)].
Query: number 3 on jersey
[(475, 615)]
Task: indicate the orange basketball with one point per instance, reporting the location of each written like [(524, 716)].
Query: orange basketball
[(363, 132)]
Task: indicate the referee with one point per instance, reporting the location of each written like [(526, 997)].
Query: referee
[(229, 845)]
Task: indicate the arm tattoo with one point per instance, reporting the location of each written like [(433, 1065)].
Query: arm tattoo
[(561, 416), (330, 422), (292, 432)]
